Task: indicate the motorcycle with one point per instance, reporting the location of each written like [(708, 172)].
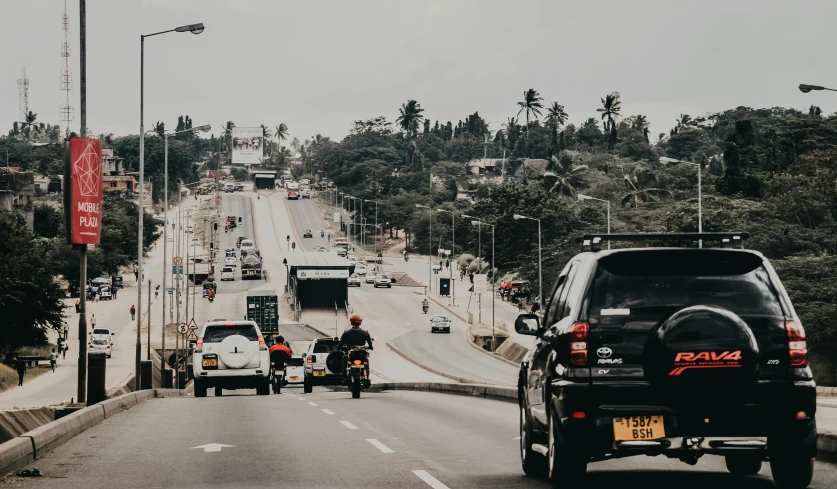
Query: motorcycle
[(278, 379), (211, 299), (406, 258), (357, 364), (424, 308), (322, 234)]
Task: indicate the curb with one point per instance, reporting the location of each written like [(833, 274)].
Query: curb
[(429, 369)]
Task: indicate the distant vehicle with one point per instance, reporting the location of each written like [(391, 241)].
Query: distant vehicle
[(230, 261), (100, 346), (321, 249), (383, 280), (231, 355), (342, 245), (440, 323), (251, 266), (341, 252), (101, 334), (247, 244), (352, 259), (292, 195), (230, 189), (370, 277), (353, 280), (308, 234), (305, 193), (361, 268), (323, 364), (195, 242), (239, 187), (227, 273), (305, 181), (189, 228), (116, 282), (239, 240), (105, 293), (263, 308), (292, 186)]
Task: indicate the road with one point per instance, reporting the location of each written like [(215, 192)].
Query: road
[(326, 439)]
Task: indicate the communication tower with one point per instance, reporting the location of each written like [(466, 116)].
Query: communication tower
[(66, 110), (23, 94)]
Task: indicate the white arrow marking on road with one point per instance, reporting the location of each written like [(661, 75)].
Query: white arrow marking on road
[(380, 446), (348, 425), (327, 411), (430, 480), (214, 447)]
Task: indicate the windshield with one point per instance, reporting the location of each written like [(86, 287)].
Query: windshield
[(217, 334), (295, 362), (440, 319), (325, 346), (101, 331)]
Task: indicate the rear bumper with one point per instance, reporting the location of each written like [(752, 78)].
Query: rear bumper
[(235, 382), (327, 379)]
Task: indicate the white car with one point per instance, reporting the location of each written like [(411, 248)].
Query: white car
[(227, 273), (293, 186), (230, 261), (231, 355), (361, 269), (323, 364), (100, 346), (353, 280), (305, 194), (295, 371), (383, 280), (370, 277), (102, 334), (352, 259), (247, 244), (190, 228)]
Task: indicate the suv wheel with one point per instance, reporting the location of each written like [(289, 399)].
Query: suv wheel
[(748, 464), (566, 468), (264, 388), (200, 388), (792, 469), (219, 392), (534, 465), (307, 388)]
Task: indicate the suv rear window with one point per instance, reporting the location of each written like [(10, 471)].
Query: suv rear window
[(325, 346), (295, 362), (663, 279), (216, 334), (101, 331)]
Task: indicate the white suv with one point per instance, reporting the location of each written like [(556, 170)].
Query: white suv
[(323, 364), (231, 355)]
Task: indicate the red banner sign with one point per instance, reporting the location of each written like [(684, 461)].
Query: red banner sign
[(84, 177)]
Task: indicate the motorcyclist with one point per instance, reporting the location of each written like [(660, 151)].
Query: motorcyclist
[(279, 355), (211, 294), (425, 304), (322, 234), (356, 336)]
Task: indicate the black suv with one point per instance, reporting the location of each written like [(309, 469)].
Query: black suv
[(679, 352)]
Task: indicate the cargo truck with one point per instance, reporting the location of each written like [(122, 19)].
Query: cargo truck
[(251, 266), (263, 308)]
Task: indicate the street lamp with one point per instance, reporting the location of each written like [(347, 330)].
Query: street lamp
[(480, 223), (194, 29), (430, 248), (452, 251), (805, 88), (517, 217), (665, 161), (166, 135), (376, 225), (582, 197)]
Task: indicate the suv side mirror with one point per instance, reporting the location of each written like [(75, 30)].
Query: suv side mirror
[(304, 355), (527, 324), (374, 339)]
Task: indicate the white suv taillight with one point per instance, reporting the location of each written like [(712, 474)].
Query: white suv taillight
[(199, 346), (797, 346), (262, 345)]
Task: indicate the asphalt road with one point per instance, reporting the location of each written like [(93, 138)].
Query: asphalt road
[(327, 440), (236, 204)]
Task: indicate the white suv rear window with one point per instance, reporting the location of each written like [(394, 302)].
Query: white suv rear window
[(217, 334)]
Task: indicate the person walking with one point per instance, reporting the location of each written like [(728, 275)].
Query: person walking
[(53, 360), (20, 365), (78, 307), (133, 312), (93, 320), (157, 292), (64, 348), (113, 292), (136, 272)]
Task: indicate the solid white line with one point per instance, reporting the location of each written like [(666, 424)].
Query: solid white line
[(348, 425), (380, 446), (430, 480), (327, 411), (313, 404)]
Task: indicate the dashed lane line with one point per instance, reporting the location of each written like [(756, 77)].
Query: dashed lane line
[(429, 479), (380, 446), (327, 411), (348, 425), (313, 404)]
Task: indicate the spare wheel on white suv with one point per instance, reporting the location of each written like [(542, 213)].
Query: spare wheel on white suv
[(237, 351)]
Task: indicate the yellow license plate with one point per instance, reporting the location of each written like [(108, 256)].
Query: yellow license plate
[(319, 373), (638, 428), (210, 362), (294, 378)]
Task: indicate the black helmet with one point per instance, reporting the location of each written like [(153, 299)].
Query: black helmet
[(280, 339)]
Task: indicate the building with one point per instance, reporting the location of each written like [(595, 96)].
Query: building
[(17, 193), (485, 166), (112, 165), (531, 167), (116, 183)]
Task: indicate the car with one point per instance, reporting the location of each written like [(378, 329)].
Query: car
[(293, 195), (231, 355), (292, 186), (239, 187), (190, 229), (116, 282), (305, 193), (295, 371), (370, 277), (440, 323), (230, 189), (105, 293), (308, 234), (230, 261), (227, 273), (341, 251), (321, 249), (239, 240), (99, 345), (383, 280), (246, 246), (102, 334), (353, 280), (323, 364), (678, 352), (361, 269), (352, 259)]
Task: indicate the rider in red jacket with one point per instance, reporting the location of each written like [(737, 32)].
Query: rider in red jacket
[(279, 353)]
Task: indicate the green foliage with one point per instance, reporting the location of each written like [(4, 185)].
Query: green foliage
[(48, 221), (240, 174)]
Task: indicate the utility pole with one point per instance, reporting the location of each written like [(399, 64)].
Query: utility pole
[(81, 391), (148, 313)]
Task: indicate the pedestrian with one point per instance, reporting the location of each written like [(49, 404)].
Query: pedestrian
[(293, 246), (66, 331), (113, 292), (64, 348), (133, 312), (535, 307), (157, 292), (78, 306), (136, 272), (20, 365), (53, 360), (93, 320), (96, 296)]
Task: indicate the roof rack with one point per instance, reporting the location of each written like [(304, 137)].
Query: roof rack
[(592, 242)]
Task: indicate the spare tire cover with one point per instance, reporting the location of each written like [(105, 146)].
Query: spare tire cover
[(236, 351), (702, 348), (334, 361)]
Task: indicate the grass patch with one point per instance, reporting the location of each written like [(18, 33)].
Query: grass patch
[(36, 350), (8, 376)]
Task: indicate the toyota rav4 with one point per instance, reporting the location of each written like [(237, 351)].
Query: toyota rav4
[(323, 364), (677, 352), (231, 355)]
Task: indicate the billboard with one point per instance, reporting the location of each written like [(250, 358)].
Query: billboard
[(83, 191), (248, 145)]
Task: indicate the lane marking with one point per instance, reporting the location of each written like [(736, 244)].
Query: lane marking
[(313, 404), (348, 425), (380, 446), (516, 438), (429, 479), (327, 411)]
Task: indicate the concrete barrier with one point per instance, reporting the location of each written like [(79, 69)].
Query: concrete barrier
[(57, 432), (119, 404), (512, 351), (504, 394), (16, 454)]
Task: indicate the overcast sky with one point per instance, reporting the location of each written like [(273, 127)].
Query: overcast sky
[(317, 65)]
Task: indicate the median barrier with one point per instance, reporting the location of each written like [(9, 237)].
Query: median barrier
[(497, 393), (16, 454), (50, 435), (119, 404)]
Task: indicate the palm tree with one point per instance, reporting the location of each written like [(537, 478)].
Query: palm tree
[(28, 126), (640, 123), (410, 118), (160, 128), (226, 137), (640, 188), (611, 107), (555, 116), (531, 104), (266, 133), (295, 145), (281, 132), (568, 178)]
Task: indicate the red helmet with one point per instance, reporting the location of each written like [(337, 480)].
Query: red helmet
[(355, 319)]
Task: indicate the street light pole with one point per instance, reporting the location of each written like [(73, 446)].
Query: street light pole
[(452, 251), (540, 256), (430, 249), (194, 29)]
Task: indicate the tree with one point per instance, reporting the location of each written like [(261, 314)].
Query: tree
[(640, 188), (531, 104), (611, 107), (281, 132), (410, 117), (160, 129), (30, 298), (568, 178)]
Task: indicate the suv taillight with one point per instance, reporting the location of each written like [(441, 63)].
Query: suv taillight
[(199, 346), (311, 359), (797, 346), (262, 345), (578, 344)]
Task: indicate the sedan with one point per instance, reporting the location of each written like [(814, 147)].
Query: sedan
[(370, 277), (308, 234), (100, 346), (383, 280), (230, 261), (360, 269), (440, 323), (353, 280), (321, 249)]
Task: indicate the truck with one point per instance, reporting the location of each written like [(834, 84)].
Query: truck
[(263, 308), (251, 266)]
